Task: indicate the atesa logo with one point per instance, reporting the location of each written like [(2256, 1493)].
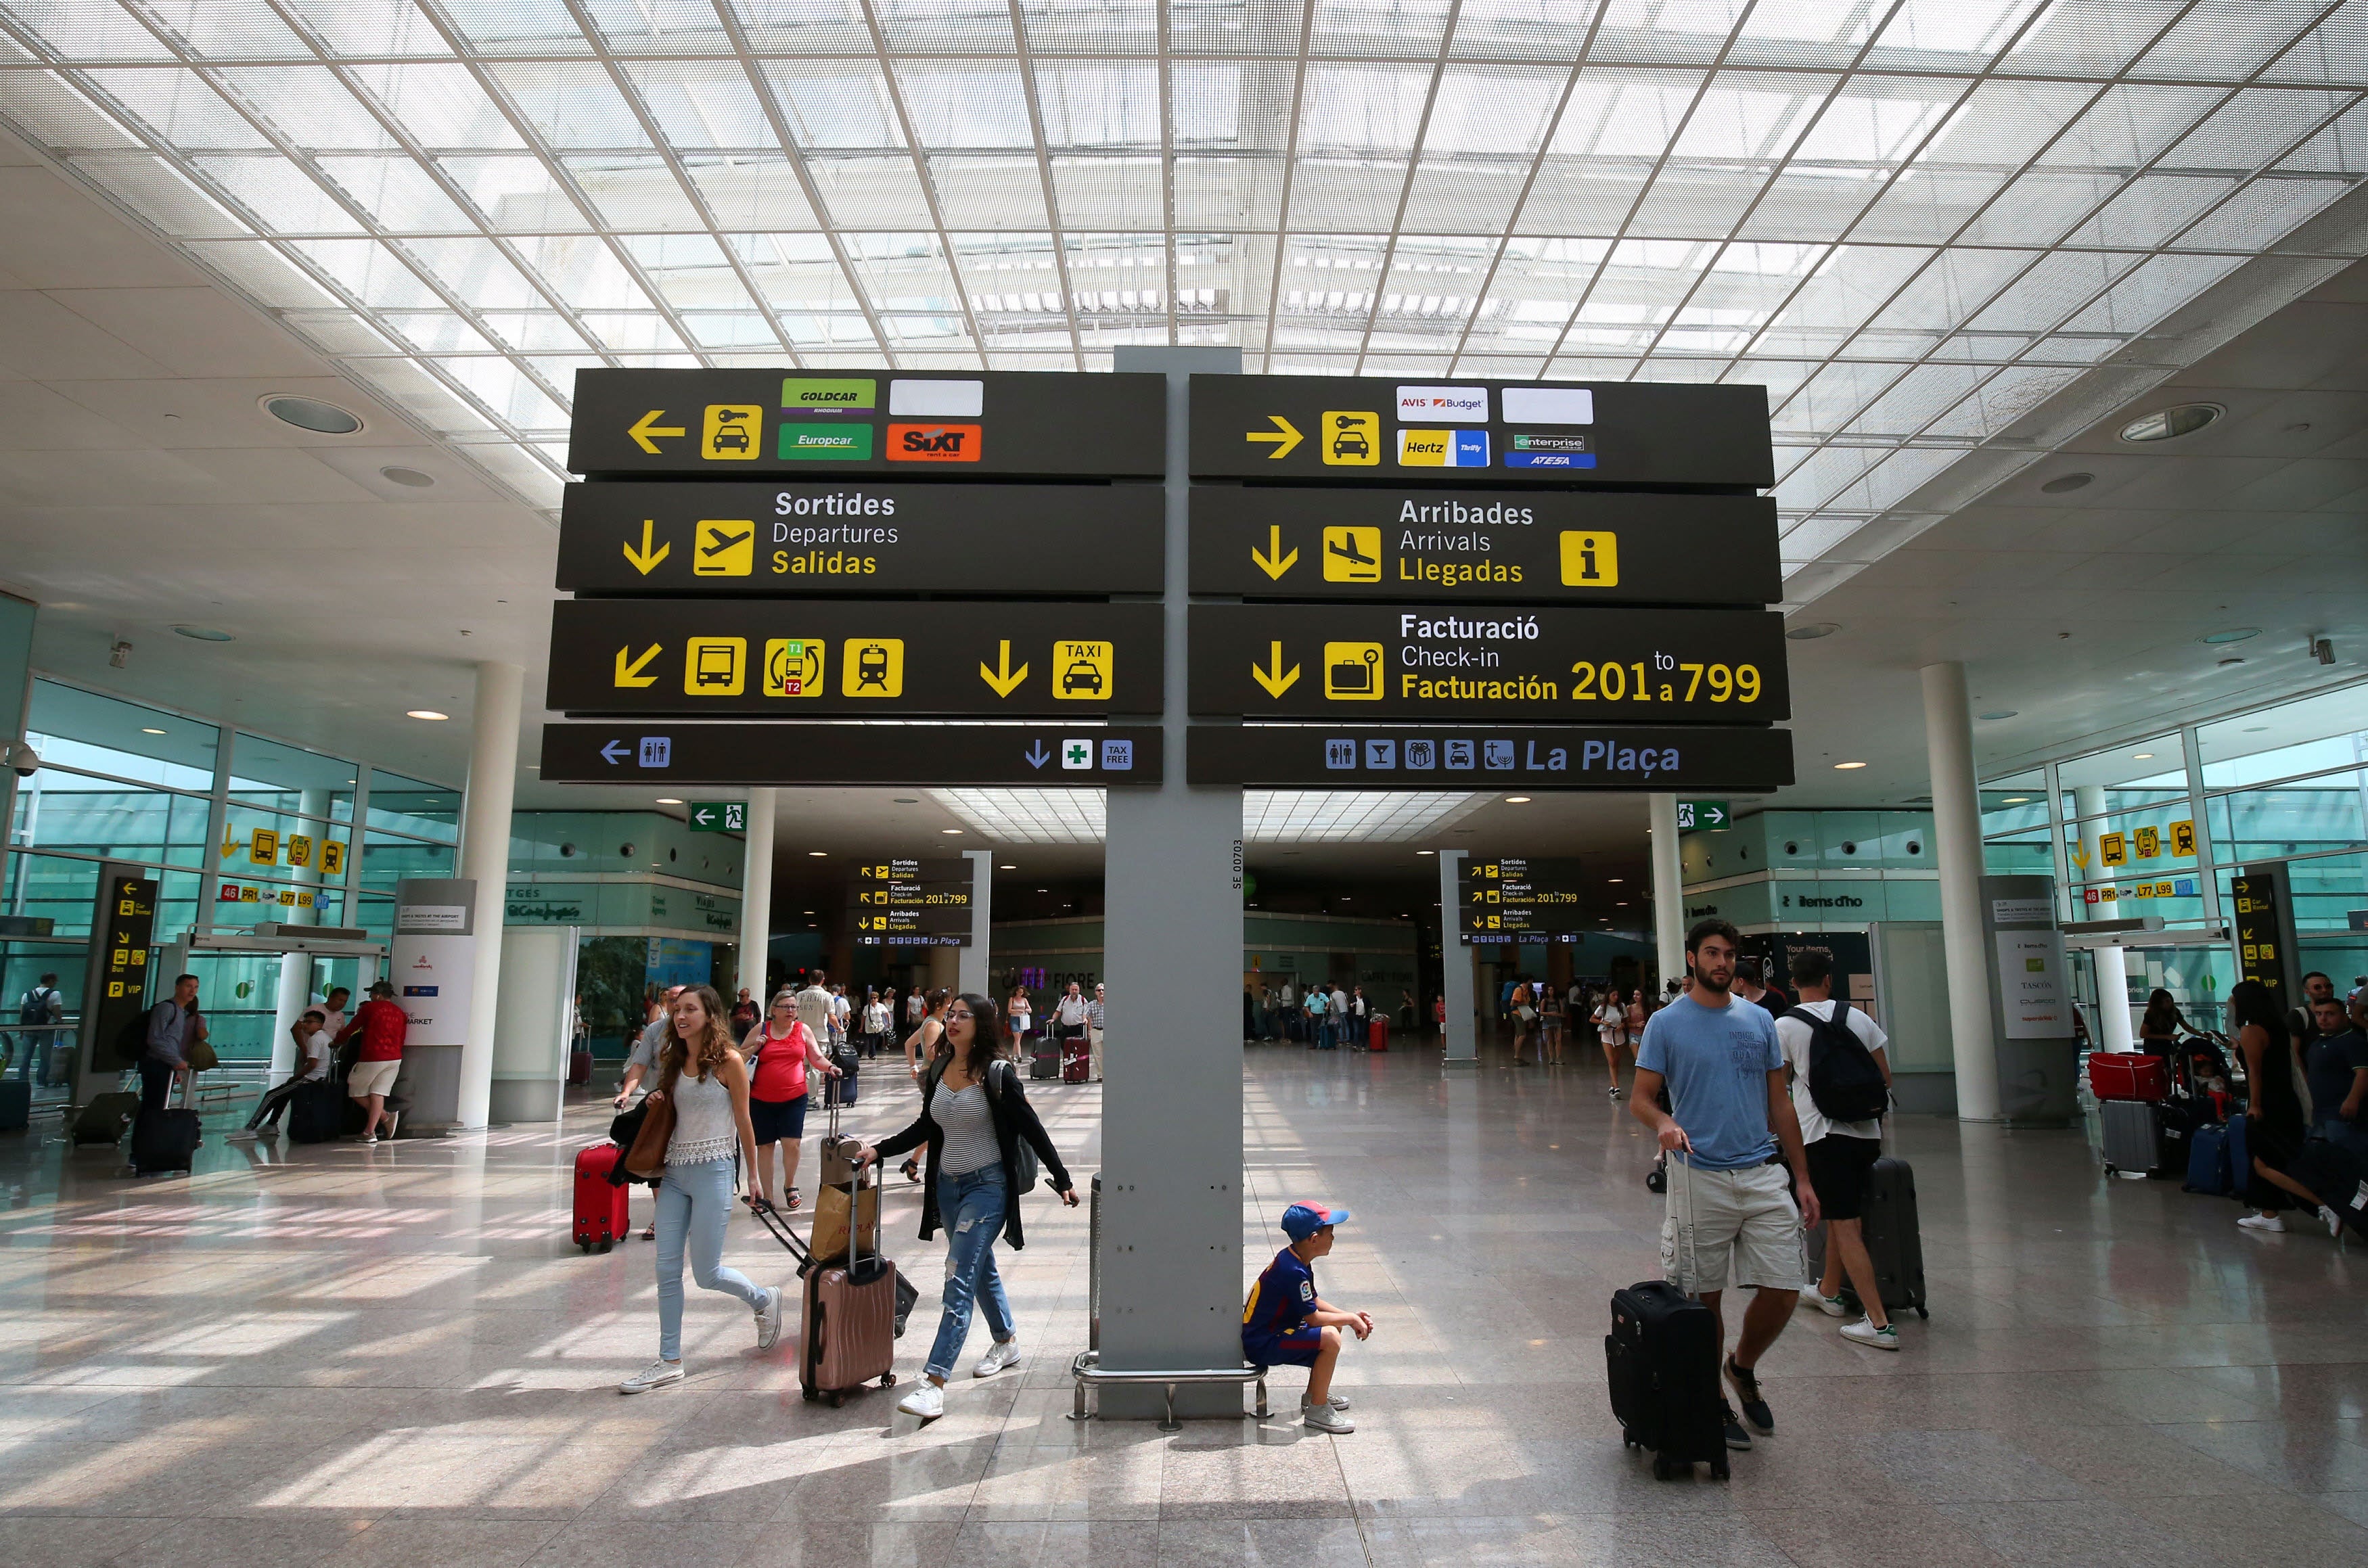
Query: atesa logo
[(933, 443)]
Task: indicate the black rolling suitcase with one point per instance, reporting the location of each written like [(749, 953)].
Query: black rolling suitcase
[(1044, 1058), (1661, 1360), (1893, 1238), (316, 1112), (104, 1119), (164, 1141)]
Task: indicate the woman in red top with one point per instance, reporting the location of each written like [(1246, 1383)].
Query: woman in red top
[(780, 1051)]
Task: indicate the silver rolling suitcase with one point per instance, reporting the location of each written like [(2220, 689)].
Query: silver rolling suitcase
[(2131, 1146)]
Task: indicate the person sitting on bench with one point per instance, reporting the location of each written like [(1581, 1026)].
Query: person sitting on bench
[(312, 1032)]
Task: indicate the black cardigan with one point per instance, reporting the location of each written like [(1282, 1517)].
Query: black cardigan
[(1014, 1119)]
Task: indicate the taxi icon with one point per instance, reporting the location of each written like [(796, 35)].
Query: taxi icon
[(1082, 675)]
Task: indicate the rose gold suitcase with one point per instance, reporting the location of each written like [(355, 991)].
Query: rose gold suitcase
[(848, 1333)]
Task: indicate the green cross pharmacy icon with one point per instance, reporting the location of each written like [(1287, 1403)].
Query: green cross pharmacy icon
[(1076, 753)]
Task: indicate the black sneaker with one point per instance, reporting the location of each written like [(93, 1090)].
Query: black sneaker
[(1747, 1393), (1736, 1437)]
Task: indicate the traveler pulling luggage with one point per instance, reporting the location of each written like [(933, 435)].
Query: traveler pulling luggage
[(847, 1331), (907, 1293), (602, 1208), (1661, 1358)]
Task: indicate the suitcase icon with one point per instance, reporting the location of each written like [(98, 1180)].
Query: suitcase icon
[(1352, 669)]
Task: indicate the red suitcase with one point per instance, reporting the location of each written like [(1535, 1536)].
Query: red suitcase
[(2128, 1076), (1377, 1035), (579, 1067), (1076, 1060), (599, 1207)]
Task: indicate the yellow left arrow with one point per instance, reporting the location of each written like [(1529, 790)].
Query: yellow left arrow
[(645, 427), (629, 674), (644, 559), (1285, 435)]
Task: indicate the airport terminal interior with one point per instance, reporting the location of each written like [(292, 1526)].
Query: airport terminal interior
[(1630, 735)]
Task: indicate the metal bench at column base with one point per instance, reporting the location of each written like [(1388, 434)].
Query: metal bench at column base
[(1087, 1371)]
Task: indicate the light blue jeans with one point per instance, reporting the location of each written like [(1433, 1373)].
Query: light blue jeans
[(693, 1203), (971, 1207)]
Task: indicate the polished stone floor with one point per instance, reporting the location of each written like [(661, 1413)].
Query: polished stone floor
[(348, 1356)]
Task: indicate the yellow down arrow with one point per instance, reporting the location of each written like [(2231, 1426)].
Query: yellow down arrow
[(644, 559), (1275, 681), (1285, 435), (1004, 679), (629, 674), (642, 429), (1274, 562)]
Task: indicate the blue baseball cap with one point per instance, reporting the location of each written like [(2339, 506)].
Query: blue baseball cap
[(1301, 1220)]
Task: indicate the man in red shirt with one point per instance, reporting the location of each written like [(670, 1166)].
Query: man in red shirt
[(381, 1025)]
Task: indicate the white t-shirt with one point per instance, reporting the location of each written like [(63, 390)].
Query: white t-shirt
[(875, 1017), (316, 1056), (1793, 1036)]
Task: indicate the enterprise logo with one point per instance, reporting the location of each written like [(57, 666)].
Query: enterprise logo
[(1549, 451)]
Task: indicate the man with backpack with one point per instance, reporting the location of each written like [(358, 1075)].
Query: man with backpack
[(1841, 1086), (36, 1010)]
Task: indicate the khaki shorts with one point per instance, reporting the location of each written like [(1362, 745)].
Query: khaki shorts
[(1749, 1213), (369, 1078)]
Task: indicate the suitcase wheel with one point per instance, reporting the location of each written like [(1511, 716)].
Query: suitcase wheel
[(1718, 1470), (812, 1396), (1922, 1314), (887, 1380), (585, 1245), (836, 1399), (606, 1245), (1664, 1469)]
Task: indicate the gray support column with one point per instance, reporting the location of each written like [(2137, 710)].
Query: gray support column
[(2111, 964), (2207, 881), (972, 962), (2068, 897), (485, 858), (296, 969), (757, 891), (1171, 1263), (1462, 1038), (1957, 837), (1669, 890), (217, 824)]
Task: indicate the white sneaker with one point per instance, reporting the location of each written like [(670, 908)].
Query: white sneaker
[(769, 1319), (2333, 1222), (1335, 1401), (927, 1401), (2262, 1223), (1327, 1418), (657, 1374), (1863, 1332), (370, 1137), (245, 1135), (1830, 1305), (1001, 1354)]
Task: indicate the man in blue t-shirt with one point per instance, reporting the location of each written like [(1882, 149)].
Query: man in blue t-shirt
[(1730, 1114), (1286, 1323)]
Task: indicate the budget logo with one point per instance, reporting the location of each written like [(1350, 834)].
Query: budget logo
[(819, 394), (1442, 449), (827, 443), (1453, 405), (933, 443)]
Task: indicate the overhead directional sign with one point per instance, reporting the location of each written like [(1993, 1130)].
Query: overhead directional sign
[(719, 816), (1610, 756), (1703, 815), (1509, 898), (1533, 547), (1457, 664), (731, 424), (859, 536), (802, 658), (676, 753), (1463, 433)]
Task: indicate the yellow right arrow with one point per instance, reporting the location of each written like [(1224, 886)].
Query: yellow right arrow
[(644, 559), (629, 674), (642, 429), (1285, 435), (1273, 562), (1275, 681), (1003, 679)]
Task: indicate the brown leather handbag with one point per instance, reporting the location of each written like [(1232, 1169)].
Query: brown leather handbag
[(647, 1159)]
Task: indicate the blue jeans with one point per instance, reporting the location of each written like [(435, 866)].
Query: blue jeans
[(972, 1208), (693, 1203)]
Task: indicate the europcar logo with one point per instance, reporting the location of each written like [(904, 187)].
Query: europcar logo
[(934, 443), (834, 442)]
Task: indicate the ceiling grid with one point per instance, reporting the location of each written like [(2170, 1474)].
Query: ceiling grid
[(1913, 221)]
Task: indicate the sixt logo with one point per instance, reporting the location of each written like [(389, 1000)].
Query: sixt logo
[(933, 443)]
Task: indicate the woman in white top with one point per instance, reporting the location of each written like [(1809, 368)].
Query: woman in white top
[(1021, 1014), (707, 1083), (1612, 1029)]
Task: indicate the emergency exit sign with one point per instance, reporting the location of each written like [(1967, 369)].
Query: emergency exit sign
[(1702, 813), (719, 816)]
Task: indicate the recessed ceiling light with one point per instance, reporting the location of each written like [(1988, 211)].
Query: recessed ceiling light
[(908, 800), (1426, 851), (2064, 483), (1043, 890), (203, 634), (312, 414), (2141, 757), (1516, 800), (2168, 424), (1007, 867), (1622, 905), (1812, 631), (949, 831), (1614, 878), (410, 478), (2017, 800), (1846, 766), (818, 854), (1995, 714), (668, 801), (145, 730), (2233, 634), (427, 714)]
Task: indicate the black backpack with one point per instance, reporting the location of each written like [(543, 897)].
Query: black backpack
[(34, 1009), (1844, 1082)]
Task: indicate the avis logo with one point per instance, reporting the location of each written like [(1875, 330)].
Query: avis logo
[(934, 443)]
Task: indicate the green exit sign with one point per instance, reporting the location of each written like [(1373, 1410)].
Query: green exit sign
[(1702, 813), (719, 816)]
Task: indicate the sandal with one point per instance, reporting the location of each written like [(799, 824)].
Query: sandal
[(650, 1235), (795, 1200), (912, 1169)]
